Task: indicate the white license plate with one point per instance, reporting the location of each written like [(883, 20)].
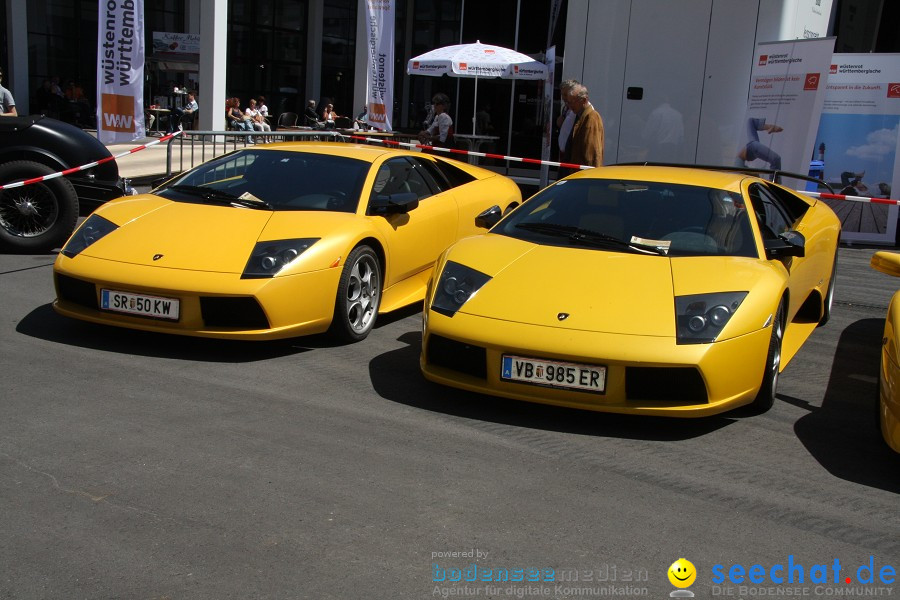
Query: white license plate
[(155, 307), (570, 376)]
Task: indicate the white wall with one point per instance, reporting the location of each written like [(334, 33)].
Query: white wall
[(695, 53)]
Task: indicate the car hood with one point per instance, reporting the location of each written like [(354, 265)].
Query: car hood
[(201, 237), (594, 290)]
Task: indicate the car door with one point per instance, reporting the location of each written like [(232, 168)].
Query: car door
[(775, 217), (415, 238)]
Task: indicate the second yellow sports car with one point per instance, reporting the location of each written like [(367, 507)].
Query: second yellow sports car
[(275, 241), (889, 372), (635, 289)]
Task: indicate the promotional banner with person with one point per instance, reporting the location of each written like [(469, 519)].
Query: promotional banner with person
[(120, 71), (858, 142), (380, 71), (787, 89)]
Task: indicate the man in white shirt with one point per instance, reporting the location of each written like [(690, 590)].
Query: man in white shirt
[(7, 104)]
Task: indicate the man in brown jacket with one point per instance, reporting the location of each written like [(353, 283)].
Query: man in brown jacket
[(587, 134)]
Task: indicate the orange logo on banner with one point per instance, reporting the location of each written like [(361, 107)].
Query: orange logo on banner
[(763, 59), (377, 113), (833, 69), (463, 66), (812, 81), (893, 90), (415, 64), (117, 113)]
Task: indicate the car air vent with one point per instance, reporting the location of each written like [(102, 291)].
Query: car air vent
[(665, 384), (242, 312), (450, 354), (76, 291)]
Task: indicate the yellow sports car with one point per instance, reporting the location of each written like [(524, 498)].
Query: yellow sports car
[(635, 289), (275, 241), (889, 374)]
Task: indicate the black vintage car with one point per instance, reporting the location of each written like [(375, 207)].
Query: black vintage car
[(40, 216)]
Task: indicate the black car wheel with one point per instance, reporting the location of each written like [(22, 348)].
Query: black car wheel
[(765, 398), (358, 296), (37, 217)]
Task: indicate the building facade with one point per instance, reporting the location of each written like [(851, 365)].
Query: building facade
[(291, 51)]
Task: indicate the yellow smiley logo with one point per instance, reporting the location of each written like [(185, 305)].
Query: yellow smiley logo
[(682, 573)]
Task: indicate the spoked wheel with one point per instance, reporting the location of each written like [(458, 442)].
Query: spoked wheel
[(765, 398), (358, 296), (39, 216), (829, 295)]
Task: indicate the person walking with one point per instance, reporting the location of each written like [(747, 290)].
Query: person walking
[(566, 119), (587, 132), (7, 104)]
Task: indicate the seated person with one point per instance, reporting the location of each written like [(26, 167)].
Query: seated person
[(236, 118), (312, 119), (183, 114), (257, 121), (440, 132), (329, 116)]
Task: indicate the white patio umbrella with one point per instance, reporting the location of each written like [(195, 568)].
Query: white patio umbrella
[(477, 60)]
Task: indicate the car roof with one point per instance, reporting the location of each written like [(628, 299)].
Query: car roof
[(725, 180), (357, 151)]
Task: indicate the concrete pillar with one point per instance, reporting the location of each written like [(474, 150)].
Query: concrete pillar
[(213, 64), (16, 78)]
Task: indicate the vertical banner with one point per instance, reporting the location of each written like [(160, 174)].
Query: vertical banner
[(120, 71), (787, 90), (858, 143), (380, 72)]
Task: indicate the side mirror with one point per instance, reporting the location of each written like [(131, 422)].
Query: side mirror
[(789, 243), (489, 217), (886, 262), (395, 204)]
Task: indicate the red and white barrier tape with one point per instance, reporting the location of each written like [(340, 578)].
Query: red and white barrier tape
[(10, 186), (827, 196), (535, 161), (530, 161)]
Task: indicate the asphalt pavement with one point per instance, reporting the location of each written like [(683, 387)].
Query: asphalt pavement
[(136, 465)]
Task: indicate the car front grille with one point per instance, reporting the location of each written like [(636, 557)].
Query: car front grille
[(459, 356), (76, 291), (665, 384), (240, 312)]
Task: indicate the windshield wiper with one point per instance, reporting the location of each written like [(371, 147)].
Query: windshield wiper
[(586, 236), (549, 228), (213, 195), (205, 193), (592, 237)]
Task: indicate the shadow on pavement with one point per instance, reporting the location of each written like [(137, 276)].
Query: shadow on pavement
[(843, 433), (43, 323), (396, 377)]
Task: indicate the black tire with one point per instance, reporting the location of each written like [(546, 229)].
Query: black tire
[(765, 398), (358, 296), (37, 217), (829, 295)]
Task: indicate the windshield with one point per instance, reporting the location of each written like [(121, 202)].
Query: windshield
[(273, 180), (635, 216)]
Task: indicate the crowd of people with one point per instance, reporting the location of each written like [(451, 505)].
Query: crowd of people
[(580, 139)]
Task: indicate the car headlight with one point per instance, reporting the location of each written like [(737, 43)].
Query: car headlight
[(269, 258), (456, 285), (93, 228), (700, 318)]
